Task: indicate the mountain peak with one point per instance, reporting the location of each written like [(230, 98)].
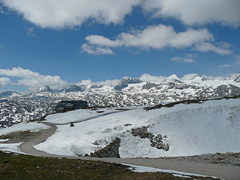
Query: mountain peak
[(44, 89), (5, 94), (125, 81), (73, 88)]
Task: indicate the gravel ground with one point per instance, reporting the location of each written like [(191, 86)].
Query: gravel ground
[(232, 159)]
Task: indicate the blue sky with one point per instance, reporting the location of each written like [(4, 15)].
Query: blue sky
[(58, 42)]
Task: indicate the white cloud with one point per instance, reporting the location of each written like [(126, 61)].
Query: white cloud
[(33, 79), (95, 50), (185, 60), (3, 10), (196, 12), (150, 78), (86, 82), (224, 66), (102, 41), (156, 37), (189, 58), (221, 49), (110, 82), (4, 82), (190, 37), (70, 13), (104, 83)]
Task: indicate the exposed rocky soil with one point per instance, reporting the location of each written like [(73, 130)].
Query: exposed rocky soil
[(156, 140), (21, 136), (111, 150)]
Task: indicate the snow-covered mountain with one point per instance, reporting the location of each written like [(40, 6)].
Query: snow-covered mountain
[(125, 82), (134, 91), (126, 92), (7, 94), (44, 89)]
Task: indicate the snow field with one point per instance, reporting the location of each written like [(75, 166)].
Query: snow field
[(210, 127), (23, 126), (192, 129)]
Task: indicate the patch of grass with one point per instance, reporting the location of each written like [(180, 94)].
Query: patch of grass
[(21, 167)]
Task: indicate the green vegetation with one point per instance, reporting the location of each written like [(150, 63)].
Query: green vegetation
[(14, 166)]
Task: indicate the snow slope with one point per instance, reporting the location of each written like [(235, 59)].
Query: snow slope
[(210, 127)]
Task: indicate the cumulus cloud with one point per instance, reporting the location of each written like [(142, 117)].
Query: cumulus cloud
[(64, 14), (69, 13), (4, 82), (221, 48), (189, 58), (103, 83), (110, 82), (3, 10), (102, 41), (156, 37), (224, 66), (150, 78), (185, 60), (195, 12), (95, 50), (33, 79)]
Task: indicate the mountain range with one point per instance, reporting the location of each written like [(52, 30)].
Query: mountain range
[(134, 91)]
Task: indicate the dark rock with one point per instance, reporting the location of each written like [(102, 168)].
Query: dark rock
[(111, 150)]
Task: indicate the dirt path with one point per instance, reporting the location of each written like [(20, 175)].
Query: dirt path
[(190, 165), (218, 170), (27, 147)]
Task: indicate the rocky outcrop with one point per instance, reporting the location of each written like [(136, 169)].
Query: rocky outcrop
[(125, 81), (157, 140), (73, 88), (111, 150)]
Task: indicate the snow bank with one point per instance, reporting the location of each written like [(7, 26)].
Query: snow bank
[(23, 126), (10, 148), (211, 127)]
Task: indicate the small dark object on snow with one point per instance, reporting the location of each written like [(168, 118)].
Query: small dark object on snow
[(71, 124)]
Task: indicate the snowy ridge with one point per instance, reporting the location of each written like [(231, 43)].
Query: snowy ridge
[(134, 91)]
